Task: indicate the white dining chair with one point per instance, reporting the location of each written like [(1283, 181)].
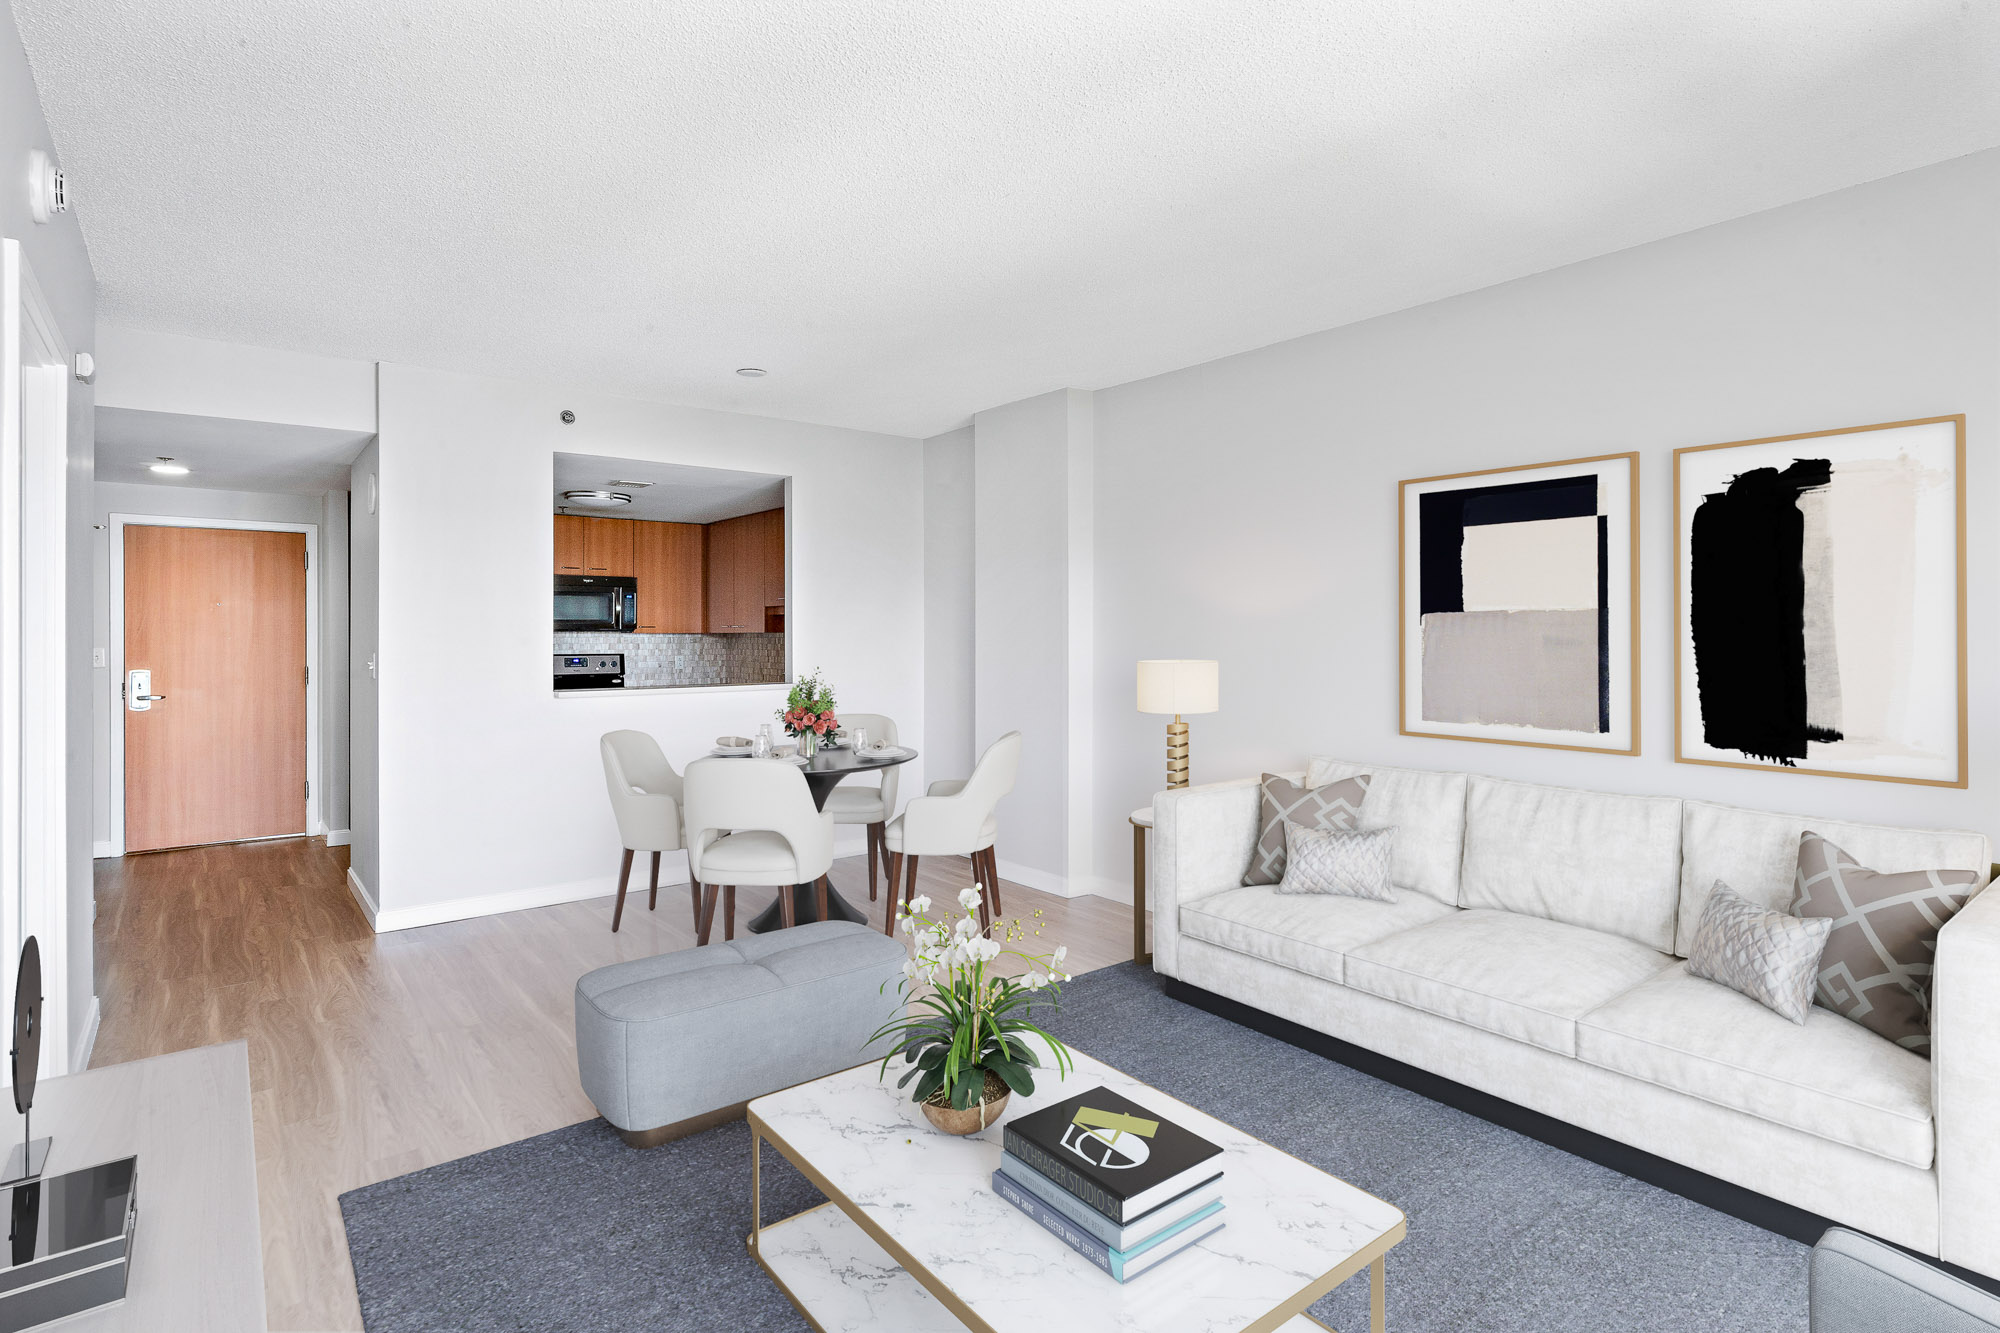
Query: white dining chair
[(954, 818), (752, 821), (646, 802), (873, 806)]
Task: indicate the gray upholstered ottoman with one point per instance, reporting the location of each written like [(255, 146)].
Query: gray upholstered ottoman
[(690, 1036)]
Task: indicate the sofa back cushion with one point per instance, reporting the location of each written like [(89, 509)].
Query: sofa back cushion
[(1590, 859), (1757, 853), (1426, 809)]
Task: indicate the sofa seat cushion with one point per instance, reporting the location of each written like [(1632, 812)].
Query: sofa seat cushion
[(1524, 977), (1829, 1077), (1307, 932)]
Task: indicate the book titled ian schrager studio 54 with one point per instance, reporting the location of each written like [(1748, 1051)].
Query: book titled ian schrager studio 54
[(1112, 1154)]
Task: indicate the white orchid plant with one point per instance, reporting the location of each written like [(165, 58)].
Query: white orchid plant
[(960, 1018)]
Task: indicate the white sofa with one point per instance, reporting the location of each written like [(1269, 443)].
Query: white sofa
[(1535, 952)]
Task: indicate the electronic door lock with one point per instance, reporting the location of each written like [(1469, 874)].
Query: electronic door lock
[(139, 694)]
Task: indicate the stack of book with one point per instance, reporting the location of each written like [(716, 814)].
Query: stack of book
[(1124, 1188)]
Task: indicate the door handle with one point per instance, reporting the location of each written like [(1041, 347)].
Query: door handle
[(139, 694)]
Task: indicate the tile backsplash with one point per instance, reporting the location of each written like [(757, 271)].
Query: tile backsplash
[(687, 659)]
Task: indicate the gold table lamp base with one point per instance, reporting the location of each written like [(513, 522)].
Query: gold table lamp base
[(1177, 753)]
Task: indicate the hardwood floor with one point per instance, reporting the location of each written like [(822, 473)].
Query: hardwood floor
[(371, 1056)]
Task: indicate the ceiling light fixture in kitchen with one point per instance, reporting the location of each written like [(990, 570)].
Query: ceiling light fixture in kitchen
[(596, 499)]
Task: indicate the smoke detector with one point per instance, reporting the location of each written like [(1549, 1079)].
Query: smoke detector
[(596, 499), (48, 195)]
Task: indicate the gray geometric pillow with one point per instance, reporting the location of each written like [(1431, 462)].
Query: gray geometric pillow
[(1352, 865), (1336, 806), (1769, 956), (1877, 966)]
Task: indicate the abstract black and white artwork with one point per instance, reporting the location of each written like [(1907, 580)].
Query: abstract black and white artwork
[(1517, 619), (1820, 588)]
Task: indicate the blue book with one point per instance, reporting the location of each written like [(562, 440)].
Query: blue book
[(1123, 1265), (1117, 1236)]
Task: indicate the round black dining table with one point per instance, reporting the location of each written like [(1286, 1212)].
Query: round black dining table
[(824, 772)]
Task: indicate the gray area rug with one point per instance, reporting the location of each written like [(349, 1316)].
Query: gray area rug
[(572, 1230)]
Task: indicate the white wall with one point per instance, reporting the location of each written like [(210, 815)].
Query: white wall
[(200, 377), (492, 793), (948, 604), (1032, 468), (364, 564), (1246, 509), (197, 502), (61, 265)]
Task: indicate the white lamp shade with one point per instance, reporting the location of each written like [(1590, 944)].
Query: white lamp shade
[(1179, 686)]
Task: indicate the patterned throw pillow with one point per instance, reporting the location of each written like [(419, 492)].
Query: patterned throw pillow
[(1353, 865), (1336, 806), (1769, 956), (1877, 965)]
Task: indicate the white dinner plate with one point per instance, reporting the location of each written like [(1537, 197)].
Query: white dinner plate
[(886, 752), (731, 750)]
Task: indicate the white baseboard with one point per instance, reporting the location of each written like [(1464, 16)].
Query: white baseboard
[(86, 1040), (339, 837), (102, 850), (1028, 876), (673, 872), (362, 896), (514, 900), (1104, 886)]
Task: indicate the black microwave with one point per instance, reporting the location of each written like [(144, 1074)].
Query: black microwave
[(597, 602)]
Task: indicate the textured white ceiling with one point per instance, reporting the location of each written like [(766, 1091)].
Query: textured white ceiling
[(675, 493), (909, 212), (223, 453)]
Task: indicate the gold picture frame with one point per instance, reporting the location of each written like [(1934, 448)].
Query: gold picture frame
[(1618, 604), (1685, 679)]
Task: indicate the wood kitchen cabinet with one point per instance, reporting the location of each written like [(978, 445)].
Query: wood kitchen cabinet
[(569, 543), (667, 560), (746, 572), (593, 545), (607, 546)]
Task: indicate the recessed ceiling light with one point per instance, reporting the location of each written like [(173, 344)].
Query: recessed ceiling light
[(751, 373), (167, 467), (597, 499)]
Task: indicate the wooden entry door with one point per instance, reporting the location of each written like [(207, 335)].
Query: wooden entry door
[(218, 615)]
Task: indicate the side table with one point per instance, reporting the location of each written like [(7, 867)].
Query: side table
[(1141, 821)]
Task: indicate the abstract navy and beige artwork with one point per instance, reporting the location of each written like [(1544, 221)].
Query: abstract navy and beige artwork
[(1820, 594), (1517, 616)]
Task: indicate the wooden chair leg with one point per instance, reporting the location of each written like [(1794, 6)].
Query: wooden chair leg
[(624, 876), (895, 879), (992, 879), (653, 889), (729, 911), (787, 899), (707, 914), (694, 901), (874, 836)]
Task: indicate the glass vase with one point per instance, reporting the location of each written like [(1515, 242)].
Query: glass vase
[(808, 744)]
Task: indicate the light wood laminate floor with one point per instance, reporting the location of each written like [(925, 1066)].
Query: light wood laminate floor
[(372, 1056)]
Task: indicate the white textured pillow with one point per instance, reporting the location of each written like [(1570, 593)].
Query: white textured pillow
[(1353, 865), (1772, 957)]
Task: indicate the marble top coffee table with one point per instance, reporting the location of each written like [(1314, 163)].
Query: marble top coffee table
[(915, 1239)]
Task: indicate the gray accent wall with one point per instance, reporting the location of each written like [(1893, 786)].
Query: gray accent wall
[(1246, 508)]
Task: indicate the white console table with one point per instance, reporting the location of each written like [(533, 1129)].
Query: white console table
[(197, 1260)]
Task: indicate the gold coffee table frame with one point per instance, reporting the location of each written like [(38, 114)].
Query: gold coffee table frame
[(1374, 1256)]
